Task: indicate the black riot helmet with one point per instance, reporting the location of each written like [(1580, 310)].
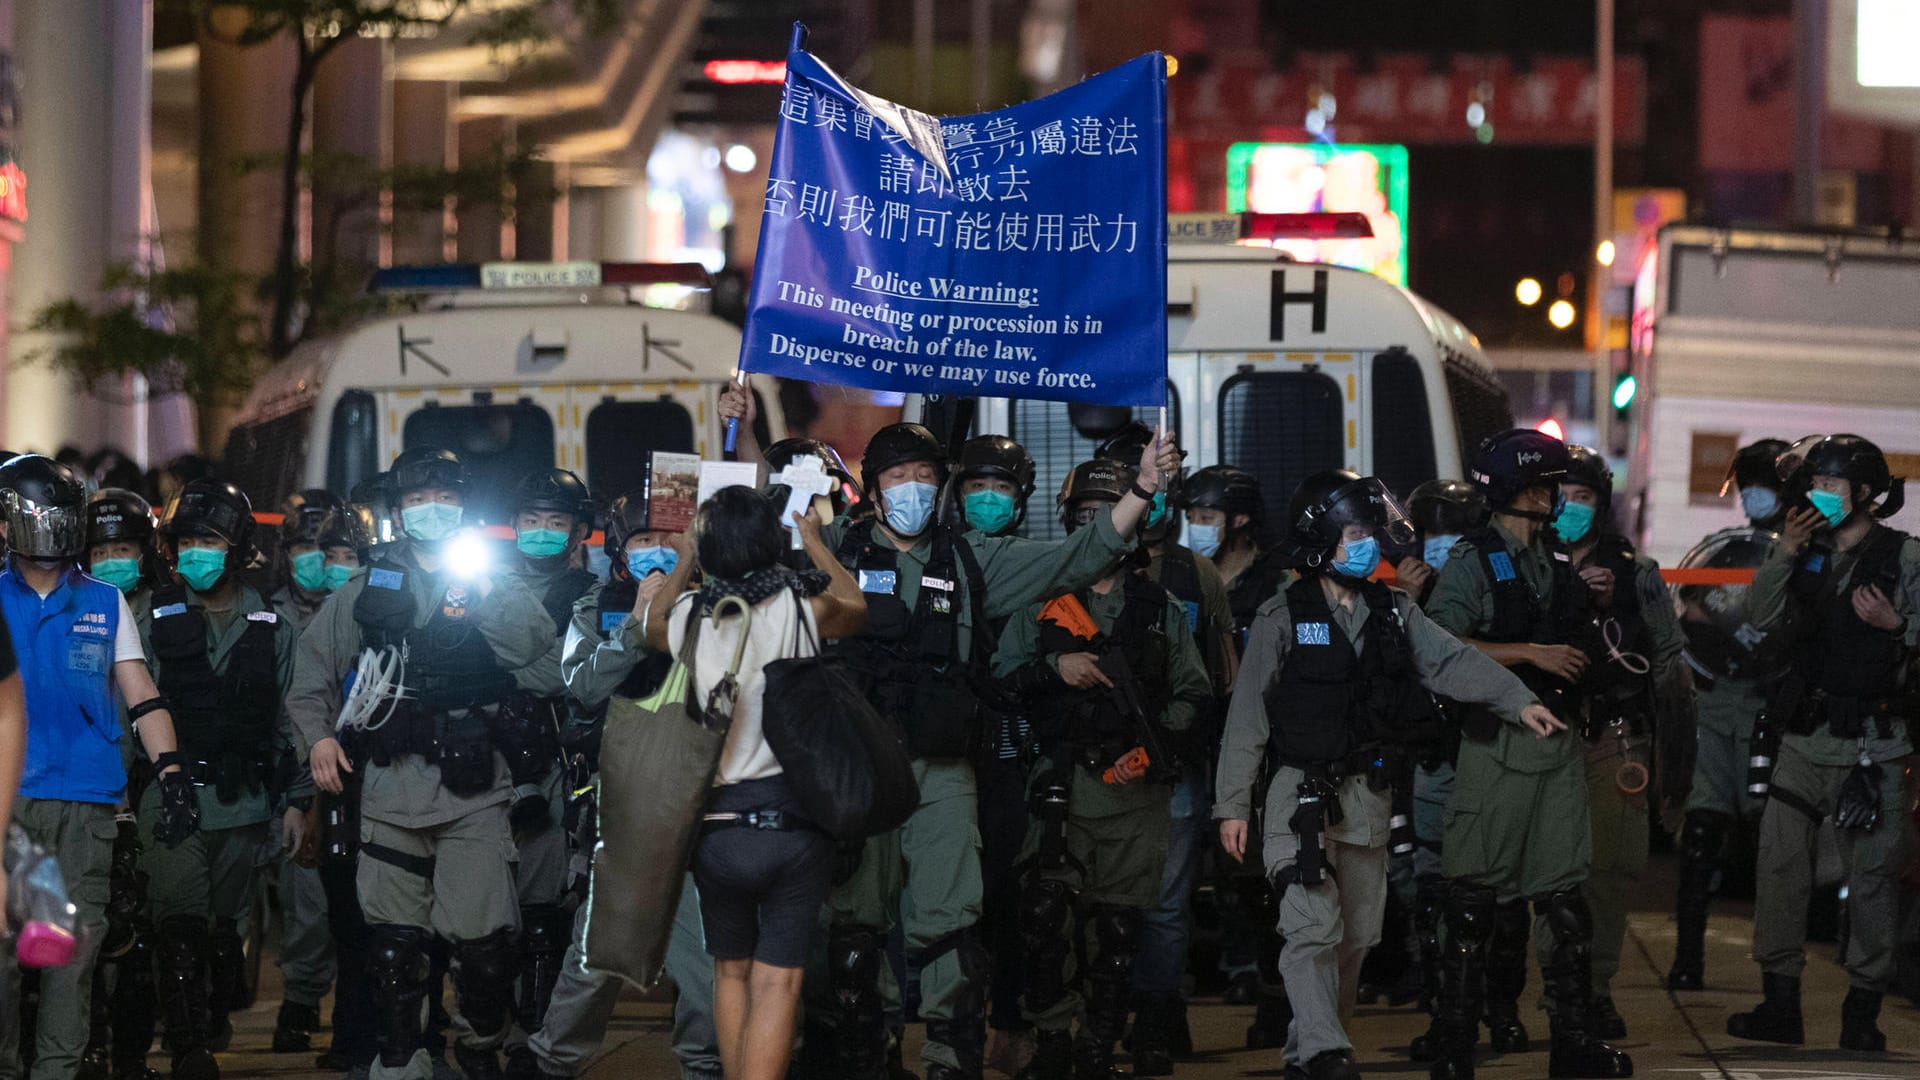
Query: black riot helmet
[(1326, 503), (1098, 480), (1226, 488), (46, 507), (1516, 461), (1001, 457), (1447, 508), (1850, 458), (787, 451), (302, 513), (1755, 465), (629, 514), (554, 490), (1586, 467), (419, 467), (212, 508), (1126, 445), (116, 515), (346, 526), (898, 444)]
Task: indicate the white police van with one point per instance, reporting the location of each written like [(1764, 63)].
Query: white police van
[(514, 366), (1284, 369)]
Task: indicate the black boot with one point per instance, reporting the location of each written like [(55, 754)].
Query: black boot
[(1463, 970), (1272, 1016), (545, 930), (1858, 1032), (1701, 844), (226, 973), (521, 1063), (1430, 907), (1576, 1051), (1052, 1057), (293, 1029), (477, 1064), (1333, 1065), (399, 967), (184, 989), (135, 999), (1109, 982), (854, 956), (1607, 1021), (966, 1036), (1777, 1018), (1507, 977), (1152, 1035)]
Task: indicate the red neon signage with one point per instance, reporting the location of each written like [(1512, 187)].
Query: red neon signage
[(13, 192), (743, 72)]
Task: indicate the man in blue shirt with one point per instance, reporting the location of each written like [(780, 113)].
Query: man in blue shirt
[(76, 645)]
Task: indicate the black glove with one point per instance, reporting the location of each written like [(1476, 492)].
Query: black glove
[(530, 811), (1859, 803), (179, 812)]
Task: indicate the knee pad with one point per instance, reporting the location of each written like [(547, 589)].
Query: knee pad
[(483, 979), (547, 930), (1471, 912), (397, 957), (1116, 930), (1704, 835), (854, 956), (1046, 906), (1046, 912), (1567, 915)]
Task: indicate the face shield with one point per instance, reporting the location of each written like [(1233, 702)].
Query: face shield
[(1365, 502), (1789, 464), (205, 512), (45, 532)]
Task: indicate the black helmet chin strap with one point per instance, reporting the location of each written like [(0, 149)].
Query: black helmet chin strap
[(1895, 500)]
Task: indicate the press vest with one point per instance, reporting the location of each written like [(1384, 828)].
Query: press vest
[(1330, 702), (63, 645), (225, 719)]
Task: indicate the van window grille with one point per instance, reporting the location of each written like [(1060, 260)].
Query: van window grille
[(622, 434), (266, 459), (1480, 407), (1043, 428), (1402, 423), (1282, 426), (499, 444)]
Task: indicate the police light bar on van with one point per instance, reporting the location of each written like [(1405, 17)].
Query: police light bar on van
[(448, 277), (1311, 226)]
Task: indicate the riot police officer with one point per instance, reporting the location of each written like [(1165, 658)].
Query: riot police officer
[(1730, 664), (604, 656), (783, 454), (1295, 705), (1517, 828), (930, 589), (1634, 677), (309, 571), (552, 517), (432, 616), (996, 480), (79, 659), (120, 545), (1112, 677), (1160, 1030), (223, 659), (1845, 589)]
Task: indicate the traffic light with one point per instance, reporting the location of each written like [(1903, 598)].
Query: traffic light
[(1625, 386)]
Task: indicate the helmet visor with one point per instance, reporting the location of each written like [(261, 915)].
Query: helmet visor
[(203, 512), (1365, 502), (46, 532), (1795, 457), (430, 473)]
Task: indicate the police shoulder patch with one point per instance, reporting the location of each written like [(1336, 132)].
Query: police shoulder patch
[(165, 610), (386, 579), (1312, 633)]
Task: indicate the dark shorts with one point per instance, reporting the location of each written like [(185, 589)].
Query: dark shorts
[(761, 889)]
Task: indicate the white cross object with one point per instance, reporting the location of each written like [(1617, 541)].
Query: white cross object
[(805, 479)]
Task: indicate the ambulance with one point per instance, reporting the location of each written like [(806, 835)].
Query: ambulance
[(1284, 369), (513, 366)]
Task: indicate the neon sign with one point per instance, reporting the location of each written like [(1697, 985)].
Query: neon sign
[(13, 191), (1303, 178)]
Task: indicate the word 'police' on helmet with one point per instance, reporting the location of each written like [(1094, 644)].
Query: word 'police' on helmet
[(999, 457), (554, 490), (1516, 461), (46, 507), (1447, 508), (787, 451), (211, 508), (1327, 503), (116, 515), (1851, 458), (1097, 480), (901, 444)]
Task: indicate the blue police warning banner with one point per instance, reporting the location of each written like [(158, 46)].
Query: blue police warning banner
[(1017, 253)]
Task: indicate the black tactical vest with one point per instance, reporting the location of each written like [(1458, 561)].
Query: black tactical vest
[(1091, 718), (1255, 586), (226, 720), (449, 663), (1330, 704), (1838, 653), (1557, 617), (1626, 623)]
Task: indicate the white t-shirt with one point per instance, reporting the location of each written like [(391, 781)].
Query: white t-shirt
[(126, 637), (771, 637)]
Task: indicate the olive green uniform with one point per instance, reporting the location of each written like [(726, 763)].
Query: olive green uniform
[(1519, 820), (306, 945), (541, 874), (1726, 710), (1116, 833), (1809, 771), (462, 841), (1328, 927), (927, 873)]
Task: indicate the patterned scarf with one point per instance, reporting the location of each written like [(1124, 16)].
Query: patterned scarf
[(758, 586)]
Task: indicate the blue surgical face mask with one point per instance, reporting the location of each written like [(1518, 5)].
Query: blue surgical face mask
[(1759, 504), (909, 506), (646, 560), (431, 522), (597, 562), (122, 574), (989, 510), (1831, 506), (310, 570), (202, 568), (1362, 557), (1203, 539), (1573, 522), (541, 543), (335, 576), (1437, 550)]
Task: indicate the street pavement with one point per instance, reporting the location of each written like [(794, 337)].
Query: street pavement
[(1670, 1036)]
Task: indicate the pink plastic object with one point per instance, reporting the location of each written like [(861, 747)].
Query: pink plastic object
[(43, 945)]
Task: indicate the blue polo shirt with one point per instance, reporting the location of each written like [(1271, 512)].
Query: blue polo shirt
[(64, 643)]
